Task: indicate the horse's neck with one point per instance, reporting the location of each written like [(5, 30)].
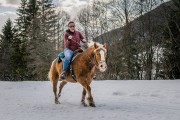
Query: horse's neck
[(89, 57)]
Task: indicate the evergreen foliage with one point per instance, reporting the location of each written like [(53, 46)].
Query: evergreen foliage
[(5, 51)]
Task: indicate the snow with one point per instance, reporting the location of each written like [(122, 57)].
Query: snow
[(115, 100)]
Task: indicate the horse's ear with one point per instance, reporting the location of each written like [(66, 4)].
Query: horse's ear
[(95, 45), (104, 45)]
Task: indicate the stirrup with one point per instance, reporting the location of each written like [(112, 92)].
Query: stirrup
[(63, 75)]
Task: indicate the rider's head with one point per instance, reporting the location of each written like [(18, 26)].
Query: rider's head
[(71, 26)]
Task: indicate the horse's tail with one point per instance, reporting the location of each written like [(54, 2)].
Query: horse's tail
[(52, 72)]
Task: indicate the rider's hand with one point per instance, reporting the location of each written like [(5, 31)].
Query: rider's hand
[(69, 37), (84, 41)]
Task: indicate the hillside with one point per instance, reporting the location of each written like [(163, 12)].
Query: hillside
[(145, 48), (157, 17)]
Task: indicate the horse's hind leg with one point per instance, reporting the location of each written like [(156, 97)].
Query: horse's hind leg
[(83, 97), (61, 87)]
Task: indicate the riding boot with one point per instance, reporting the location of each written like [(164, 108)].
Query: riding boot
[(63, 75)]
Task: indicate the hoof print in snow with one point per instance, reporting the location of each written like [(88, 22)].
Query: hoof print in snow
[(118, 93)]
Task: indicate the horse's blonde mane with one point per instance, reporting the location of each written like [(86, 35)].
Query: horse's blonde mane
[(100, 46)]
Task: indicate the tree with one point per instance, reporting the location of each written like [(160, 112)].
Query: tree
[(63, 19), (23, 20), (13, 53), (18, 59), (172, 43), (7, 38), (38, 29), (124, 10), (42, 37)]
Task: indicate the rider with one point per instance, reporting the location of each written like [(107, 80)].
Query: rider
[(72, 40)]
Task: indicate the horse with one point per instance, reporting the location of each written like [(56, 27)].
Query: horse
[(84, 66)]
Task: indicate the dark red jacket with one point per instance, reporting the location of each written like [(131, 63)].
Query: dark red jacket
[(74, 43)]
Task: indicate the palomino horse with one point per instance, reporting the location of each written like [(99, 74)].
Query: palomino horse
[(84, 66)]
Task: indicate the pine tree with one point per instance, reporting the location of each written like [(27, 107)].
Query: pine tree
[(23, 20), (49, 20), (41, 36), (6, 40), (48, 35), (26, 37), (18, 59), (22, 38)]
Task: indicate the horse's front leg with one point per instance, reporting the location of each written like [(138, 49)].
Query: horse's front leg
[(88, 89), (90, 98), (83, 97)]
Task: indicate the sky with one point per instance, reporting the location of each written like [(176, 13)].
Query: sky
[(8, 8)]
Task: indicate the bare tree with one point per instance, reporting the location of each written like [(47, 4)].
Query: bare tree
[(63, 19)]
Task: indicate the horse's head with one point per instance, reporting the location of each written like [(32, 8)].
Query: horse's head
[(100, 54)]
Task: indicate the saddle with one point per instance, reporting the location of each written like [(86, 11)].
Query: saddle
[(69, 69), (61, 56), (76, 52)]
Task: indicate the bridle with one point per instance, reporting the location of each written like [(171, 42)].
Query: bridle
[(96, 63), (94, 55)]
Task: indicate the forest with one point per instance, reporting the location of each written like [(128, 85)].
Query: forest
[(142, 37)]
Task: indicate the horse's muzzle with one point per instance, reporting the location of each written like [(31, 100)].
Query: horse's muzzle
[(102, 66)]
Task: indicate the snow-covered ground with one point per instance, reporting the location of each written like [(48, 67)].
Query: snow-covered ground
[(115, 100)]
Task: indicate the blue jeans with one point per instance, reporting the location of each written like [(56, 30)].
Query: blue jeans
[(68, 56), (60, 55)]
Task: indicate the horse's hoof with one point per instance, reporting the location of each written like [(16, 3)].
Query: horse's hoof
[(84, 104), (57, 102), (92, 105)]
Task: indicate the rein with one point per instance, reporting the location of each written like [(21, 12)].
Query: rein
[(92, 62)]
